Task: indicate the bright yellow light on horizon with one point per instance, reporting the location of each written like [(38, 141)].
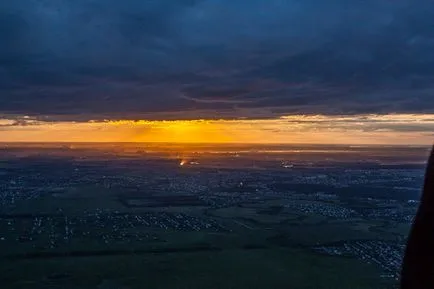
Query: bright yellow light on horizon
[(194, 131)]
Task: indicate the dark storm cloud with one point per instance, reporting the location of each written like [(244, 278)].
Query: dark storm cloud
[(93, 59)]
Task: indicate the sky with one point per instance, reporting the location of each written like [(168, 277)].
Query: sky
[(304, 71)]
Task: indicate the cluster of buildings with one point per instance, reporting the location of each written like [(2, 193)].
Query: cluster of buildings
[(355, 176), (323, 209), (13, 191), (99, 226), (392, 214), (386, 255)]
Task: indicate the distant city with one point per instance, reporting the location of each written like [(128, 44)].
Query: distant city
[(71, 203)]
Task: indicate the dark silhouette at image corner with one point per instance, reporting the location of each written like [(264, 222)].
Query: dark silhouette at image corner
[(418, 265)]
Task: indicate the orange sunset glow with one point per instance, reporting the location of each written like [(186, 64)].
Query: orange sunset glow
[(362, 129)]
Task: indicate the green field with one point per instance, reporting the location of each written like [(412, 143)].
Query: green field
[(265, 268)]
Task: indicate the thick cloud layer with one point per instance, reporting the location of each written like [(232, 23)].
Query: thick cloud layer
[(93, 59)]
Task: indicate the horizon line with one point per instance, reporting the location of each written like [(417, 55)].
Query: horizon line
[(213, 143)]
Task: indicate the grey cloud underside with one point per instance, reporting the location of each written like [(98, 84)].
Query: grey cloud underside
[(133, 59)]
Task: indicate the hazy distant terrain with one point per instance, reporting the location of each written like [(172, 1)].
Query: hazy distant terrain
[(205, 216)]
